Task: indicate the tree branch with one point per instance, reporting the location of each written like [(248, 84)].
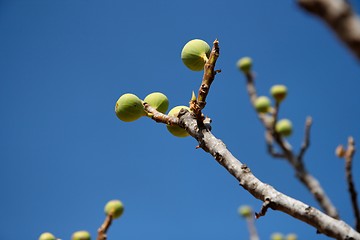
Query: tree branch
[(348, 156), (264, 192), (272, 198), (269, 122), (340, 18), (209, 75)]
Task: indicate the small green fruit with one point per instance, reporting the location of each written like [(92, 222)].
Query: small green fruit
[(47, 236), (129, 108), (245, 211), (81, 235), (262, 104), (158, 101), (277, 236), (291, 236), (284, 127), (195, 54), (115, 208), (244, 64), (176, 130), (278, 92)]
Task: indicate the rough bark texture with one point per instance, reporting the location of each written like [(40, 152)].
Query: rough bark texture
[(340, 18), (278, 201)]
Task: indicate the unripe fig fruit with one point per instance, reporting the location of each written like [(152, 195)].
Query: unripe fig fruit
[(262, 104), (176, 130), (277, 236), (244, 64), (81, 235), (158, 101), (291, 236), (245, 211), (195, 54), (284, 127), (47, 236), (114, 208), (129, 108), (278, 92)]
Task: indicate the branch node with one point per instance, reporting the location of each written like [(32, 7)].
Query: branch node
[(263, 209)]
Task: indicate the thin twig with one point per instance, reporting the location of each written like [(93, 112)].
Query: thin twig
[(158, 116), (339, 17), (306, 143), (252, 229), (351, 186), (263, 209), (104, 227), (270, 147), (250, 86)]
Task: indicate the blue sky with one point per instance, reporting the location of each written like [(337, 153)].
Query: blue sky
[(64, 154)]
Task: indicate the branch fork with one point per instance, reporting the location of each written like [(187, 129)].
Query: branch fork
[(201, 131)]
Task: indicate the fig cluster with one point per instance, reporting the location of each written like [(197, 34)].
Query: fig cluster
[(129, 107), (262, 105)]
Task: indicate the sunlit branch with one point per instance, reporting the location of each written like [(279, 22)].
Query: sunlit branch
[(339, 17), (348, 156), (264, 192), (271, 137), (209, 75), (104, 227)]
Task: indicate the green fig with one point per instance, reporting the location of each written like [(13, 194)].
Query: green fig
[(284, 127), (47, 236), (245, 211), (176, 130), (81, 235), (195, 54), (277, 236), (244, 64), (129, 108), (262, 104), (158, 101), (291, 236), (278, 92), (115, 208)]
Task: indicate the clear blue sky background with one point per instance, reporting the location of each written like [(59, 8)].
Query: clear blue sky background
[(64, 154)]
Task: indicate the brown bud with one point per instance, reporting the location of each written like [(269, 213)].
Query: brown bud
[(340, 151)]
